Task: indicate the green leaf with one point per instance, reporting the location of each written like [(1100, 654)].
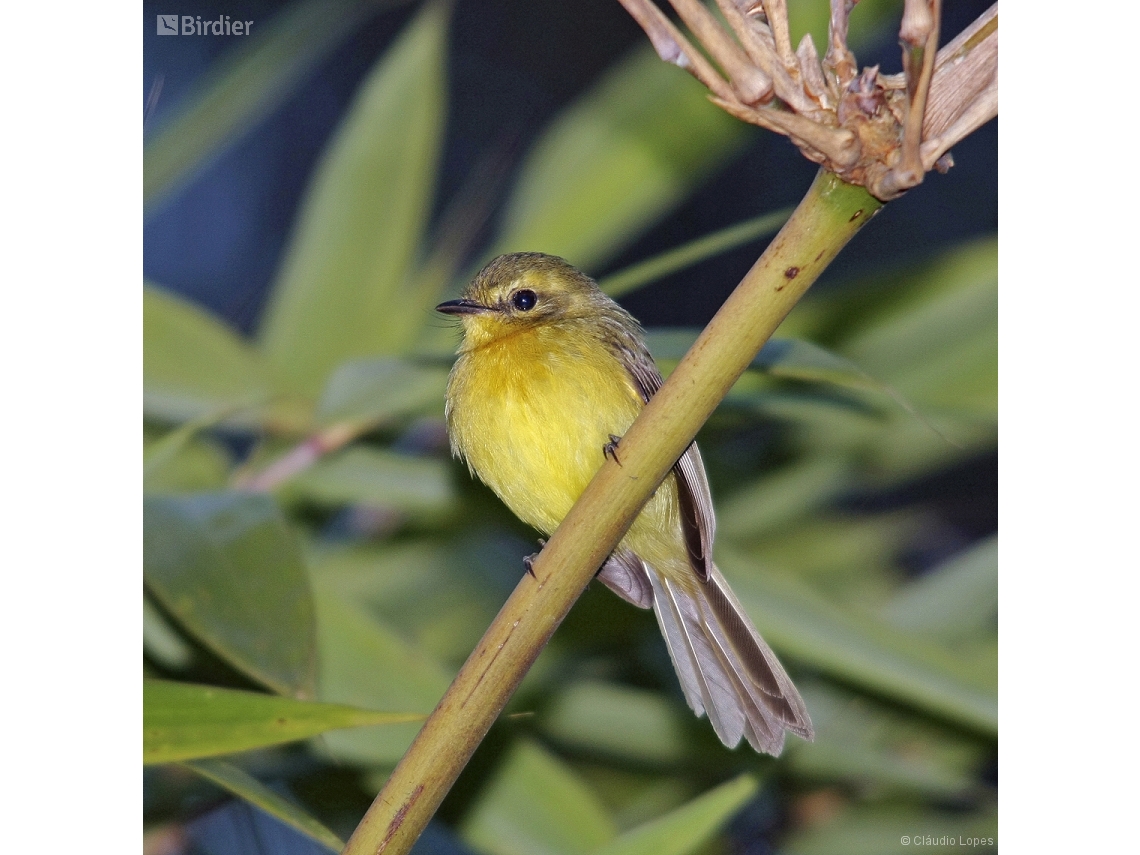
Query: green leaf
[(243, 88), (688, 254), (194, 366), (339, 294), (931, 332), (862, 651), (243, 785), (229, 569), (890, 446), (420, 486), (783, 497), (874, 747), (162, 642), (797, 359), (953, 601), (536, 805), (181, 460), (791, 359), (616, 161), (928, 309), (366, 664), (687, 828), (420, 587), (371, 391), (184, 722), (897, 830), (618, 721), (850, 559)]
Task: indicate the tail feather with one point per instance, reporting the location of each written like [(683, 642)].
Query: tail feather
[(677, 641), (725, 668), (719, 697), (727, 616)]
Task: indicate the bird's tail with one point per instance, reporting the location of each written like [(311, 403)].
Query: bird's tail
[(725, 667)]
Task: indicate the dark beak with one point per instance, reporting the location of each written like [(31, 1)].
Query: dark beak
[(460, 307)]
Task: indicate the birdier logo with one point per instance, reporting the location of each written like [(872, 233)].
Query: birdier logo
[(193, 25)]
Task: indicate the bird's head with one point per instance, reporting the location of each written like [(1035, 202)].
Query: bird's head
[(522, 291)]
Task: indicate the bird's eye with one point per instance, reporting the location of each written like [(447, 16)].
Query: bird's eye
[(524, 299)]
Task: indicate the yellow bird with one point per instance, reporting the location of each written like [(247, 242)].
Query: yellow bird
[(550, 374)]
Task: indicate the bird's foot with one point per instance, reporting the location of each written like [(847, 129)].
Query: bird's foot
[(611, 447), (528, 562)]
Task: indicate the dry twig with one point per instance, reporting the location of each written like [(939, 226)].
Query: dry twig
[(883, 132)]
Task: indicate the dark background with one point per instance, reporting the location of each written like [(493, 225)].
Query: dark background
[(513, 65)]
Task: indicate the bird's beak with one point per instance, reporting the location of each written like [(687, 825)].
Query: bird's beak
[(460, 307)]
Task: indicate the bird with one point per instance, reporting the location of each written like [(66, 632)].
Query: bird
[(550, 373)]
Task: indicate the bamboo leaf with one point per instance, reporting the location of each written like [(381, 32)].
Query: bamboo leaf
[(930, 309), (182, 461), (228, 568), (688, 254), (954, 600), (338, 296), (194, 366), (617, 160), (897, 830), (185, 722), (240, 783), (616, 720), (365, 663), (161, 642), (436, 596), (370, 391), (791, 359), (867, 744), (245, 87), (421, 486), (783, 497), (536, 805), (687, 828)]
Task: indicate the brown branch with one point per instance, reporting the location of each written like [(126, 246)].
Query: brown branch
[(838, 145), (674, 48), (964, 87), (763, 53), (838, 58), (811, 73), (919, 36), (750, 84), (777, 12)]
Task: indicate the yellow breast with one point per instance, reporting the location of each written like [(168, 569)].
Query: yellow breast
[(531, 414)]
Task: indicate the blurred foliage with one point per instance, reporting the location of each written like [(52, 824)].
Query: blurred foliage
[(313, 560)]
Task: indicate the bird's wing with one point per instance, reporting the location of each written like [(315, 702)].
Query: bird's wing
[(693, 493), (625, 574)]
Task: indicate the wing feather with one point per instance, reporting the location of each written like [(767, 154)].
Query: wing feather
[(695, 498), (625, 574)]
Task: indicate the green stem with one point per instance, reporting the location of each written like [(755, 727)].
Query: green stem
[(827, 218), (678, 258)]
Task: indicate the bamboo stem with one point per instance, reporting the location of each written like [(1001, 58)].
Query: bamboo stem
[(827, 218)]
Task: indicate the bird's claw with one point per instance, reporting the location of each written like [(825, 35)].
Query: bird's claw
[(528, 561), (611, 447)]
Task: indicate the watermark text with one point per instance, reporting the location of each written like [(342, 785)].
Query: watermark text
[(962, 840), (193, 25)]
